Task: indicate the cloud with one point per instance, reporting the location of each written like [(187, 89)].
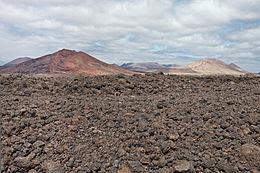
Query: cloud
[(168, 31), (247, 35)]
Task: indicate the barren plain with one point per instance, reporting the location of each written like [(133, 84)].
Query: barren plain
[(142, 123)]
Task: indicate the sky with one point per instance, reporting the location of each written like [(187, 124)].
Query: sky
[(119, 31)]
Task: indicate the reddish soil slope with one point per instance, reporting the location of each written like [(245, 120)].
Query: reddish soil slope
[(66, 62)]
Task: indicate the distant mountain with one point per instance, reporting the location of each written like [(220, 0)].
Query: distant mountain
[(209, 66), (72, 62), (66, 62), (213, 66), (17, 61), (148, 67)]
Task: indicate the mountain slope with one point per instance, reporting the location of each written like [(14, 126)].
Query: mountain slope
[(208, 66), (17, 61), (211, 66), (66, 62)]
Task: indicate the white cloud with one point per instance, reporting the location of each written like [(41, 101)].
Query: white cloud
[(247, 35), (33, 28)]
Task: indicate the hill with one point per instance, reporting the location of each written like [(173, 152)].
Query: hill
[(209, 66), (66, 62)]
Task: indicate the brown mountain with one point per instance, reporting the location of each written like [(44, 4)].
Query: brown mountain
[(209, 66), (17, 61), (66, 62)]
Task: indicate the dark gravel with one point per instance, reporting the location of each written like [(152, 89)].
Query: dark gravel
[(141, 123)]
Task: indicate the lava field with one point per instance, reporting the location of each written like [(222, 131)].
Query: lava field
[(124, 124)]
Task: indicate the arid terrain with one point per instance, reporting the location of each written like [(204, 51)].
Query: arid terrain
[(142, 123), (73, 62)]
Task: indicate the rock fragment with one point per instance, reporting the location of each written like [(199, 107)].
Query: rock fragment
[(250, 155), (174, 136), (52, 167), (124, 170), (38, 144), (25, 162), (183, 166)]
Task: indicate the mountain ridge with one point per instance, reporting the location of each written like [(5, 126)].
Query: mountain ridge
[(212, 66), (66, 61)]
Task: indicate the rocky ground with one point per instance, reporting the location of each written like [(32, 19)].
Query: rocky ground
[(142, 123)]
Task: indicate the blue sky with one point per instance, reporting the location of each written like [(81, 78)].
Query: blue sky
[(118, 31)]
